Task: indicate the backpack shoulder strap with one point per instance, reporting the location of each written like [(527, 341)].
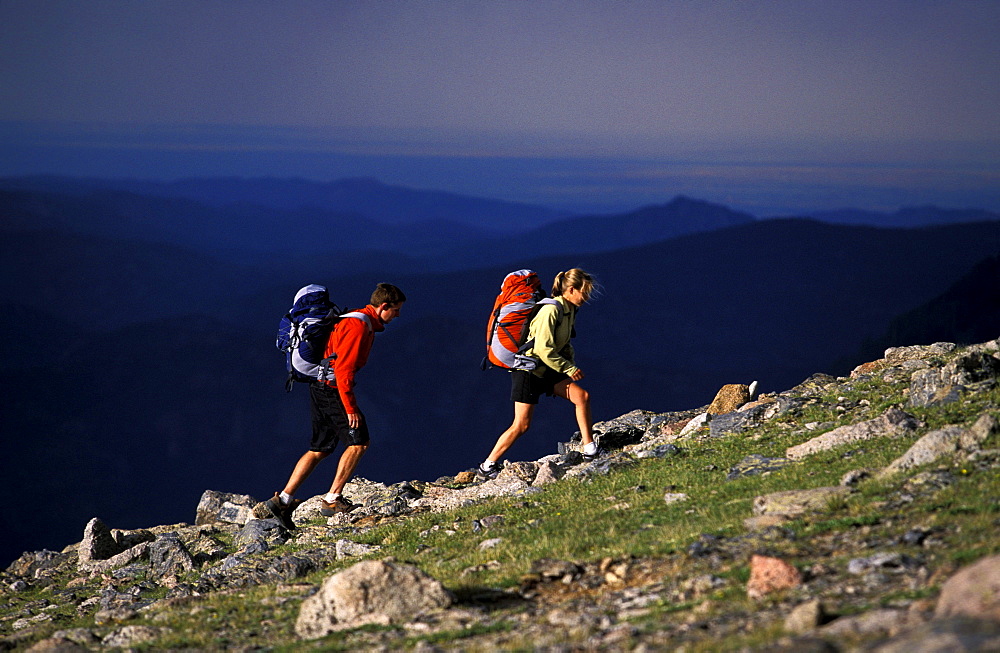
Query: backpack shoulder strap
[(358, 315)]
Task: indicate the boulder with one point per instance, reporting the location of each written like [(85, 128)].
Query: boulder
[(98, 543), (756, 464), (897, 355), (892, 423), (798, 502), (972, 592), (729, 398), (696, 423), (259, 535), (882, 623), (805, 617), (768, 575), (944, 441), (522, 470), (943, 385), (168, 556), (752, 415), (984, 428), (370, 592), (954, 635), (548, 472), (927, 449), (224, 507)]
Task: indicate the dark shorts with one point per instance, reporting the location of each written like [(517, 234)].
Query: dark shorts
[(526, 388), (329, 420)]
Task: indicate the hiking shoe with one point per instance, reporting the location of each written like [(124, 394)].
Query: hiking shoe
[(490, 474), (601, 451), (278, 510), (331, 508)]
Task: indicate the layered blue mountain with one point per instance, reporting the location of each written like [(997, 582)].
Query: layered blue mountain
[(649, 224), (384, 203), (138, 373), (906, 217)]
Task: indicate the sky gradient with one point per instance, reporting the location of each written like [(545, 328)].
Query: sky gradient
[(771, 107)]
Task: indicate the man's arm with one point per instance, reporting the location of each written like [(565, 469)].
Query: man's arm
[(347, 338)]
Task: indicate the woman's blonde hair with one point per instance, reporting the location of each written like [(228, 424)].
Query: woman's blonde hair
[(573, 278)]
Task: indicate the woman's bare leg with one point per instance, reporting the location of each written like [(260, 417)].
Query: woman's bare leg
[(521, 423), (580, 399)]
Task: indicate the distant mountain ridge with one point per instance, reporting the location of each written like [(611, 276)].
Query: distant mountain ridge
[(650, 224), (282, 237), (389, 204), (906, 217)]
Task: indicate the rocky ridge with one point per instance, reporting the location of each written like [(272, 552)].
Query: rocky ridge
[(878, 583)]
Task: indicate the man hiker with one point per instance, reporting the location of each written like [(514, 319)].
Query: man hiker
[(334, 407)]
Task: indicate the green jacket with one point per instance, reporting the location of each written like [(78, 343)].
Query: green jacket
[(551, 329)]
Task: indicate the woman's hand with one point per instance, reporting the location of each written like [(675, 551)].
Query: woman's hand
[(576, 375)]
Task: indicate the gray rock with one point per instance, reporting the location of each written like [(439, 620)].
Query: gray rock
[(798, 502), (756, 464), (984, 428), (129, 636), (620, 436), (855, 476), (168, 556), (972, 592), (674, 497), (521, 470), (372, 591), (224, 507), (548, 472), (898, 355), (696, 423), (98, 543), (661, 451), (57, 645), (926, 450), (885, 623), (954, 635), (349, 549), (893, 423), (939, 386), (890, 562), (805, 617), (34, 563), (126, 557), (259, 534), (752, 416)]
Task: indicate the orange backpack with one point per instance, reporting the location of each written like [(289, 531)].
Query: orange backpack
[(519, 299)]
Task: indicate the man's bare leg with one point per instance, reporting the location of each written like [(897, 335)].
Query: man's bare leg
[(345, 468), (303, 468)]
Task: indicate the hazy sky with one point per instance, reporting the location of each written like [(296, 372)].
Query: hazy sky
[(766, 105)]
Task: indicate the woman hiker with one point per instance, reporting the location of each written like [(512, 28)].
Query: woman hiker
[(556, 373)]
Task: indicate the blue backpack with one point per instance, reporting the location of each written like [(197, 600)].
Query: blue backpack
[(303, 334)]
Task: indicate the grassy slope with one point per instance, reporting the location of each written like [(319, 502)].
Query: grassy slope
[(623, 515)]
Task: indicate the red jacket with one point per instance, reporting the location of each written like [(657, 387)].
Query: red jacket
[(351, 340)]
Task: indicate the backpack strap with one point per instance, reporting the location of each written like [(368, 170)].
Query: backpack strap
[(548, 301), (326, 365)]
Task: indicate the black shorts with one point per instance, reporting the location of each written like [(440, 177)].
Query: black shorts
[(329, 420), (526, 388)]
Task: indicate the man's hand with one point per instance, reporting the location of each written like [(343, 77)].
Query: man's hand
[(354, 420), (577, 375)]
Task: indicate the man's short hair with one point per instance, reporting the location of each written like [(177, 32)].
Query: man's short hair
[(386, 293)]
